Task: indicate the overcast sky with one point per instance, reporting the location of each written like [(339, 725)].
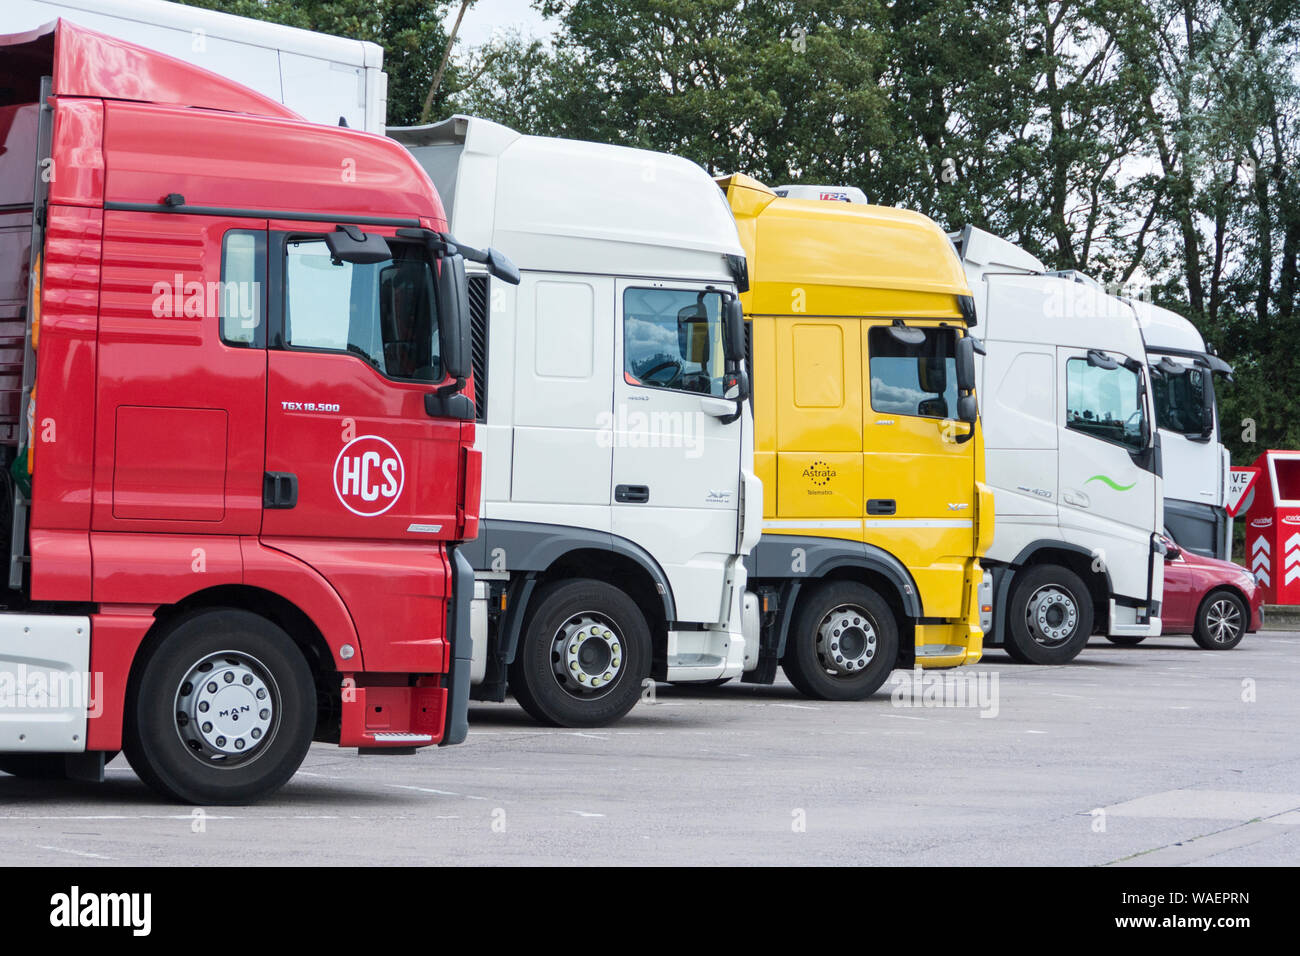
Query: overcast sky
[(486, 15)]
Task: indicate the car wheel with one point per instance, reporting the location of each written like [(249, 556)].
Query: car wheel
[(1221, 622)]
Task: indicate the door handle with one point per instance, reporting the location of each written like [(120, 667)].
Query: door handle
[(1076, 498), (632, 494), (279, 490), (881, 506)]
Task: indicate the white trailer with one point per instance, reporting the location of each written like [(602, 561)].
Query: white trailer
[(618, 493), (322, 78), (1071, 452)]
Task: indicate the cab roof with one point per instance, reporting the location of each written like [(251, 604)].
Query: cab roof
[(570, 206), (842, 258)]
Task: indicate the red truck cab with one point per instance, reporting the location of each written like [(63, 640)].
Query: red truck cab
[(235, 422)]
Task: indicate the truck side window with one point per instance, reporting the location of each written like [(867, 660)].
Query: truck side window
[(917, 379), (243, 264), (1180, 401), (384, 313), (672, 338), (1104, 403)]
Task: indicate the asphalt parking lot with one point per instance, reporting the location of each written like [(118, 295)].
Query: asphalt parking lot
[(1160, 754)]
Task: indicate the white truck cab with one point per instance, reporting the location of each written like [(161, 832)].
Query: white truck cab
[(1071, 452), (1196, 463), (618, 493), (323, 78)]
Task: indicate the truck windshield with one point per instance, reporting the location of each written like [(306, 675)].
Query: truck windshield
[(1180, 401), (384, 313), (672, 338), (1104, 403), (916, 379)]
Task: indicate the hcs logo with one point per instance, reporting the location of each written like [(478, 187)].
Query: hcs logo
[(368, 475)]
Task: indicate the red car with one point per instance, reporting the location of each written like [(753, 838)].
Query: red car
[(1217, 602)]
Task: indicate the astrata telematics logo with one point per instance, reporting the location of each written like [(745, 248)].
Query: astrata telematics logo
[(369, 475)]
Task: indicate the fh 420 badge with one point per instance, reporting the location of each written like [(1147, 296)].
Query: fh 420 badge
[(369, 475)]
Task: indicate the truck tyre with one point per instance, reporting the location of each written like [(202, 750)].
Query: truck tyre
[(1125, 640), (583, 657), (1221, 622), (1049, 616), (221, 710), (843, 643)]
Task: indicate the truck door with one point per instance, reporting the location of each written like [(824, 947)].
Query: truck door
[(351, 452), (676, 469), (1109, 492), (914, 467), (181, 374)]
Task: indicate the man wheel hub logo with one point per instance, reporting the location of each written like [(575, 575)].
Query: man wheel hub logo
[(369, 475)]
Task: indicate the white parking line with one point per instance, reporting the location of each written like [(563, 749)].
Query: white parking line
[(81, 853)]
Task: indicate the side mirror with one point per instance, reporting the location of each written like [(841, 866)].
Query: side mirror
[(968, 409), (733, 328), (966, 348), (736, 386), (501, 267), (350, 244), (1207, 404), (453, 318)]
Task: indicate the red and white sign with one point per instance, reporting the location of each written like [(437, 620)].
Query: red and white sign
[(1260, 560), (369, 475), (1241, 482)]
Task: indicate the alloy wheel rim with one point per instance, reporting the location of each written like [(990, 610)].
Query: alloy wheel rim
[(1223, 620), (1052, 615), (587, 655), (846, 640)]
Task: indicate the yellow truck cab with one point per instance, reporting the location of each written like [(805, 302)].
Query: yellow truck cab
[(867, 441)]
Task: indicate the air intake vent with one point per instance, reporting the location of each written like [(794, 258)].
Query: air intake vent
[(478, 320), (749, 358)]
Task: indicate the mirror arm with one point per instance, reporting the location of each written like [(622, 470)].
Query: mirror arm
[(450, 388)]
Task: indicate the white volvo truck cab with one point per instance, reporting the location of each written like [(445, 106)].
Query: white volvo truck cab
[(618, 492), (1071, 452), (1184, 376)]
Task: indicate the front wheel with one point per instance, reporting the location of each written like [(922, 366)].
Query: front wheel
[(584, 655), (844, 643), (1050, 616), (1221, 622), (223, 711)]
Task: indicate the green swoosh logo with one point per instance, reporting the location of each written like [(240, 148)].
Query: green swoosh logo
[(1105, 479)]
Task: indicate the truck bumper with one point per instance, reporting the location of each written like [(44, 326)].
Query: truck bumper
[(714, 653), (956, 642), (435, 710), (1125, 622)]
